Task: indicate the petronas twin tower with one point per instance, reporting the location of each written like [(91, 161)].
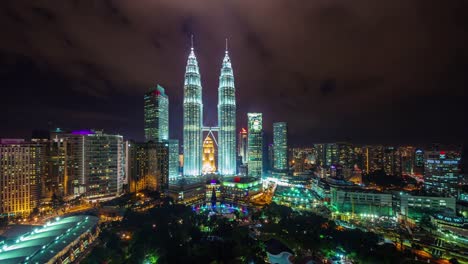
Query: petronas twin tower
[(193, 119)]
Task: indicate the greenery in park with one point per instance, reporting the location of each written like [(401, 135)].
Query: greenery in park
[(309, 234), (172, 234), (176, 234)]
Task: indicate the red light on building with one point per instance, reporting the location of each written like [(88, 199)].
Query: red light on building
[(237, 179)]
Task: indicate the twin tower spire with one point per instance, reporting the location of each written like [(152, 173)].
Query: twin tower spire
[(193, 118)]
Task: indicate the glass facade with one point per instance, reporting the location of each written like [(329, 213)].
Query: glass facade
[(442, 172), (193, 118), (103, 160), (392, 161), (255, 144), (95, 164), (331, 154), (149, 166), (226, 119), (173, 158), (346, 155), (374, 158), (162, 156), (419, 158), (280, 146), (156, 115)]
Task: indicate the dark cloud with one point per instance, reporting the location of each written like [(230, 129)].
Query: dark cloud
[(389, 71)]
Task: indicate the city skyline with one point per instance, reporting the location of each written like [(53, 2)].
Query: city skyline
[(234, 132), (336, 88)]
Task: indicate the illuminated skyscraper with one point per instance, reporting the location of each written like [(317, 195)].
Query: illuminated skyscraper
[(442, 172), (392, 161), (346, 155), (419, 158), (156, 115), (173, 158), (227, 119), (95, 163), (163, 159), (407, 159), (193, 118), (280, 146), (331, 154), (21, 169), (374, 158), (242, 145), (255, 144)]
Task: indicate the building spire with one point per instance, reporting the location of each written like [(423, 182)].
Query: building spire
[(226, 45), (191, 40)]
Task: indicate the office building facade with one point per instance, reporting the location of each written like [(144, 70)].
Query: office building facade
[(442, 172), (156, 115), (193, 118), (22, 167), (173, 158), (255, 144), (227, 119), (280, 146)]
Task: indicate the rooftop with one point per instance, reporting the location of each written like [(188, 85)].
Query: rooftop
[(43, 243)]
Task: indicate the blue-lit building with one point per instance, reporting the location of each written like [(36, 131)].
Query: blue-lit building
[(227, 119), (419, 158), (442, 172), (173, 158), (193, 118), (156, 115), (280, 146)]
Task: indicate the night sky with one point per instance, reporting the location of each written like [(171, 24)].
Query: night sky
[(363, 71)]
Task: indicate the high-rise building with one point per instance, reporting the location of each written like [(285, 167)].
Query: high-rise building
[(21, 169), (442, 172), (173, 158), (280, 146), (95, 163), (242, 145), (419, 158), (331, 154), (407, 159), (226, 119), (392, 161), (346, 155), (150, 166), (55, 179), (270, 164), (209, 160), (255, 144), (156, 115), (103, 161), (142, 163), (320, 154), (193, 118), (163, 159), (373, 158)]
